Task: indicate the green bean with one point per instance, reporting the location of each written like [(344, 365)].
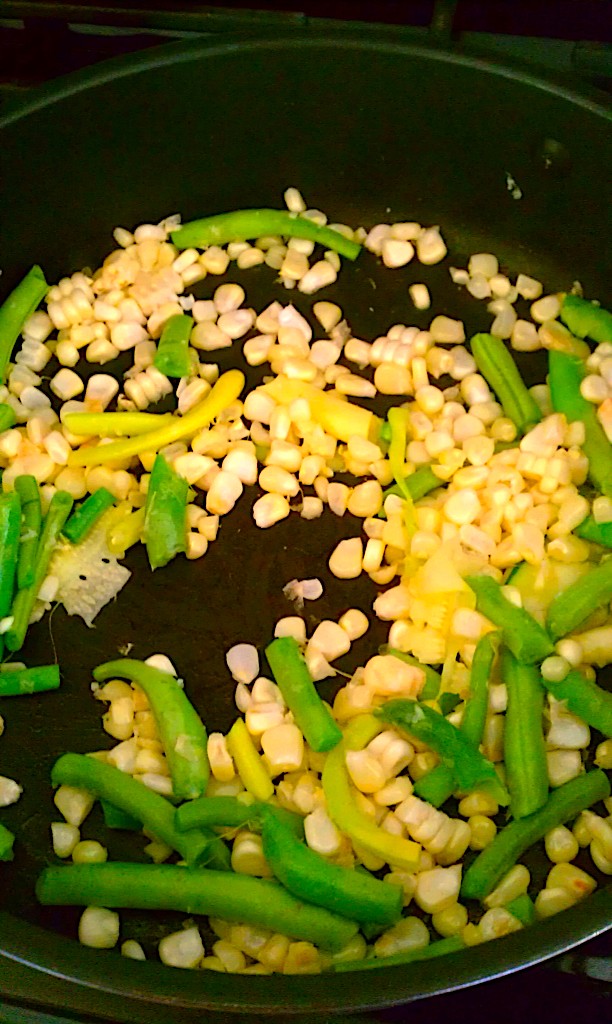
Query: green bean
[(172, 356), (511, 842), (10, 527), (433, 679), (153, 811), (585, 699), (16, 309), (565, 375), (500, 371), (6, 843), (524, 746), (85, 517), (165, 528), (180, 728), (115, 818), (584, 319), (469, 767), (59, 510), (293, 679), (574, 604), (523, 909), (19, 681), (596, 533), (418, 484), (7, 417), (353, 894), (31, 523), (241, 225), (439, 948), (436, 786), (235, 898), (232, 812), (527, 640)]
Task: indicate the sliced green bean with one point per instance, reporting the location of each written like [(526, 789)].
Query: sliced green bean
[(232, 812), (6, 843), (293, 679), (10, 529), (16, 309), (115, 818), (7, 417), (180, 727), (398, 421), (596, 533), (19, 681), (439, 948), (527, 640), (585, 699), (500, 371), (59, 510), (586, 320), (565, 375), (165, 528), (153, 811), (439, 784), (574, 604), (433, 679), (511, 842), (26, 486), (418, 484), (241, 225), (232, 897), (469, 767), (353, 894), (523, 909), (524, 746), (172, 356), (85, 517)]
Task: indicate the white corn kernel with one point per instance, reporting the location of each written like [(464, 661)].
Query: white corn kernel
[(346, 560), (182, 949), (270, 509), (99, 928)]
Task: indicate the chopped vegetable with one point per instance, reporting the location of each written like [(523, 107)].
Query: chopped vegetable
[(116, 424), (165, 523), (520, 631), (563, 804), (6, 843), (26, 487), (433, 680), (524, 747), (398, 421), (88, 574), (248, 762), (85, 517), (7, 417), (295, 683), (597, 533), (339, 418), (16, 309), (241, 225), (232, 812), (115, 818), (417, 484), (573, 605), (585, 319), (565, 375), (20, 681), (230, 897), (181, 729), (10, 527), (172, 356), (500, 371), (523, 909), (585, 699)]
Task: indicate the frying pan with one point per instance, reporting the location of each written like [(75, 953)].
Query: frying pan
[(369, 129)]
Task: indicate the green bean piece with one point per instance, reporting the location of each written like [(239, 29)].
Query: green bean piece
[(586, 320), (180, 727), (59, 510), (439, 948), (20, 681), (469, 767), (232, 897), (16, 309), (241, 225), (596, 533), (523, 909), (527, 640), (500, 371), (436, 786), (153, 811), (115, 818), (574, 604), (165, 528), (433, 680), (172, 356), (232, 812), (85, 517), (293, 679), (353, 894), (418, 484), (6, 843), (511, 842), (565, 375), (585, 699), (10, 528), (524, 746), (7, 417), (31, 524)]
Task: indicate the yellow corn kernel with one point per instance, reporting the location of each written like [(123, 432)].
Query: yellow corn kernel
[(483, 831), (561, 845), (406, 880), (514, 883), (572, 878), (451, 921), (552, 900), (497, 922), (409, 933), (302, 958), (478, 802)]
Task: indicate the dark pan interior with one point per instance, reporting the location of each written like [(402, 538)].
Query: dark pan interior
[(370, 131)]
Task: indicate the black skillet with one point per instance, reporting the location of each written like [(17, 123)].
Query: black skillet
[(370, 130)]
